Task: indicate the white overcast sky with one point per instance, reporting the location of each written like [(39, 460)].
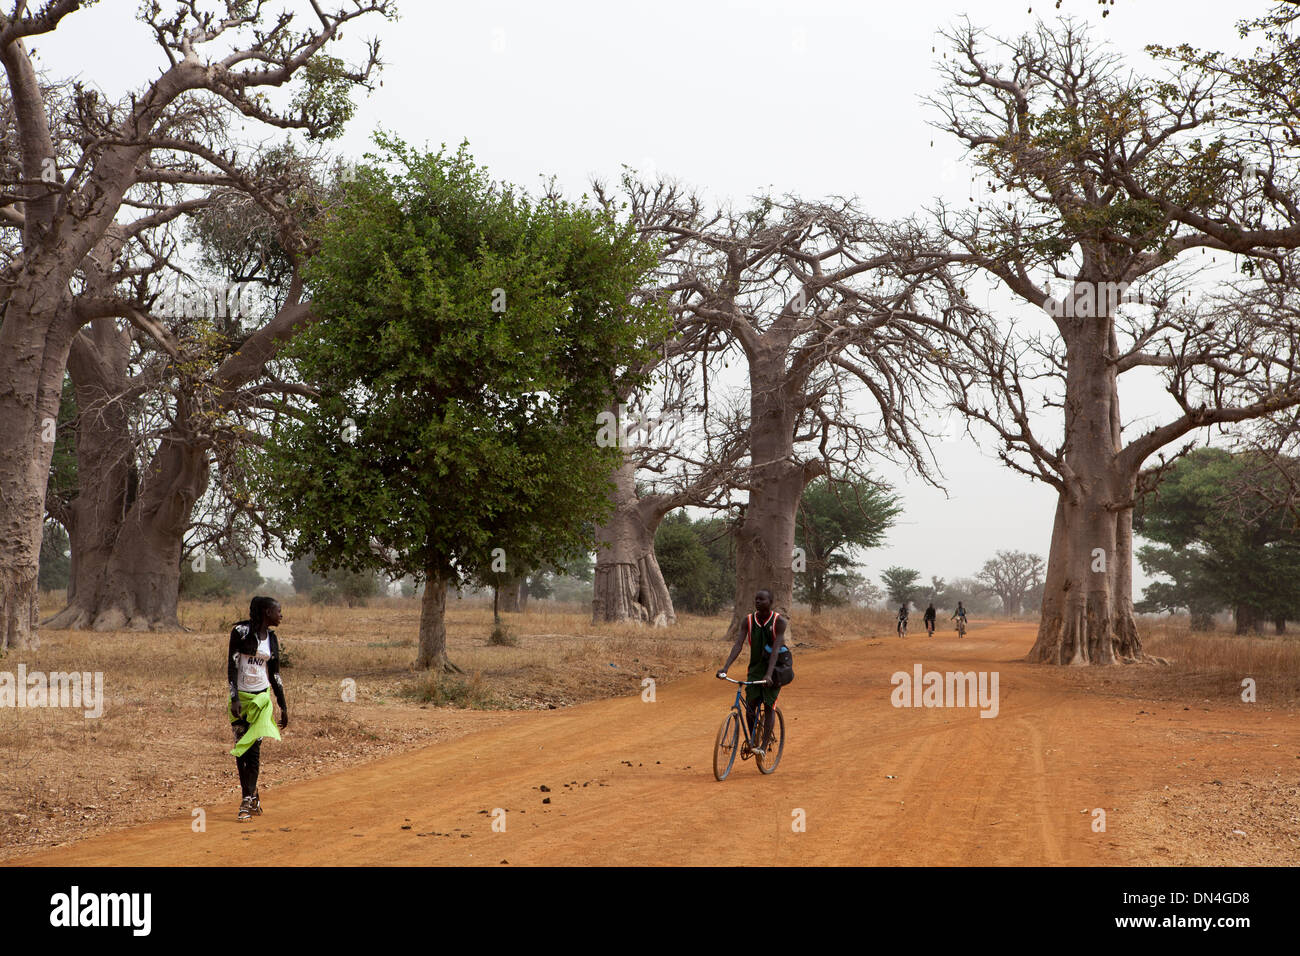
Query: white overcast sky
[(733, 97)]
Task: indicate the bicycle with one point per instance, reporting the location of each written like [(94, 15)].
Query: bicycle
[(728, 742), (961, 627), (929, 627), (902, 627)]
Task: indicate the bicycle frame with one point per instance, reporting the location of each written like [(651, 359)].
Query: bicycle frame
[(738, 705)]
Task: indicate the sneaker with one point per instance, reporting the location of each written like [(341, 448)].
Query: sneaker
[(245, 809), (255, 804)]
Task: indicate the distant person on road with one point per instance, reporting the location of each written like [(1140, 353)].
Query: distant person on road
[(764, 630), (253, 672), (929, 619), (902, 620)]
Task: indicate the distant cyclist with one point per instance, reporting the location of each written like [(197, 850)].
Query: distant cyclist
[(902, 620), (929, 619), (960, 617)]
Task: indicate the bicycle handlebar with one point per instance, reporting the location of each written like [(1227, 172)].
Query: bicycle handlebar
[(746, 682)]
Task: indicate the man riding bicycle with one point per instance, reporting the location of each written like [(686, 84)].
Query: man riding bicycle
[(960, 617), (929, 619), (764, 629), (902, 620)]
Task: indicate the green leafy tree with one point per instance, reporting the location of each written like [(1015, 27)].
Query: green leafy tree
[(900, 584), (1184, 584), (218, 579), (352, 588), (304, 578), (698, 561), (469, 337), (1223, 539), (834, 518)]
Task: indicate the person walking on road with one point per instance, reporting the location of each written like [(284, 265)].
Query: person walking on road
[(253, 673)]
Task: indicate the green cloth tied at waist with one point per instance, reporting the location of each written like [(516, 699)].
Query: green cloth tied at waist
[(256, 709)]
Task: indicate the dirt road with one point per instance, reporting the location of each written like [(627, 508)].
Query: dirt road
[(631, 782)]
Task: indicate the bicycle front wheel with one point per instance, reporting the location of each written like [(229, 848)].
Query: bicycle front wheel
[(724, 750), (774, 743)]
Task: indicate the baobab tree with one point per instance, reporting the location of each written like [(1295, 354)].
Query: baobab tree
[(688, 455), (173, 130), (677, 447), (157, 413), (1011, 575), (1101, 181), (821, 303)]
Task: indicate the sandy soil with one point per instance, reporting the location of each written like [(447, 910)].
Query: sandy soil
[(624, 781)]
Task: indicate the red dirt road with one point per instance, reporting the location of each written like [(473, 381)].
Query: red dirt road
[(876, 784)]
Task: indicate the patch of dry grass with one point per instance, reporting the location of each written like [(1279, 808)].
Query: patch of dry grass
[(1211, 665), (1269, 655)]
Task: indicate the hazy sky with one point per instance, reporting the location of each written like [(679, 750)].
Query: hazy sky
[(732, 97)]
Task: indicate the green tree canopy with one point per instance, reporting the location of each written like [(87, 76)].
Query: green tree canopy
[(469, 337), (900, 584), (1223, 537), (219, 579), (834, 518), (698, 562)]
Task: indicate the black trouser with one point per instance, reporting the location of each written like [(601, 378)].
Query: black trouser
[(752, 711), (249, 764)]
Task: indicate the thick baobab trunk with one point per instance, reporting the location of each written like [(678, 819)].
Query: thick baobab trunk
[(628, 585), (1089, 619), (34, 342), (129, 548), (1279, 625), (1087, 615), (433, 626), (765, 538), (106, 476)]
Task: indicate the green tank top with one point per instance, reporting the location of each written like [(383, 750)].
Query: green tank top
[(761, 637)]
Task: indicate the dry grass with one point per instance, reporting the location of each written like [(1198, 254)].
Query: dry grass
[(161, 745), (1212, 663), (1205, 666)]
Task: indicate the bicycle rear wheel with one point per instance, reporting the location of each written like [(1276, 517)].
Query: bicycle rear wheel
[(724, 750), (774, 745)]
